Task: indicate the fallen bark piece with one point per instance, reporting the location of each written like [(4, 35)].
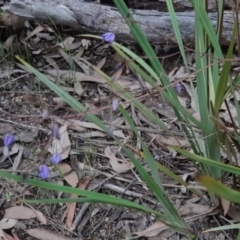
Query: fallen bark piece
[(97, 19)]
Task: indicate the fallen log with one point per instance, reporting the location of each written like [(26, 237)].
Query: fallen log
[(88, 17), (179, 5)]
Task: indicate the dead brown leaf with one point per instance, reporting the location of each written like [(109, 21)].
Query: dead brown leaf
[(84, 183), (19, 212), (62, 146), (153, 230), (117, 164), (7, 236), (14, 149), (226, 206), (66, 57), (71, 211), (52, 62), (101, 62), (172, 141), (43, 234), (86, 43), (191, 209), (78, 89), (72, 206), (7, 223), (2, 235), (9, 42), (15, 236), (234, 213), (42, 219), (38, 29), (66, 43), (117, 74), (71, 179), (64, 167), (18, 158)]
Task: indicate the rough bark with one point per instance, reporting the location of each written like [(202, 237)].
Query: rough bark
[(179, 5), (97, 19)]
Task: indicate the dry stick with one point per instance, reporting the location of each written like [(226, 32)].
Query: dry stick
[(101, 222), (103, 219), (86, 205), (79, 216), (23, 125), (128, 192), (143, 129), (84, 221)]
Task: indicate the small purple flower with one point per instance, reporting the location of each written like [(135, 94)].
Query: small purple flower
[(108, 37), (56, 132), (114, 104), (111, 130), (43, 171), (179, 88), (118, 66), (56, 158), (9, 140), (45, 114)]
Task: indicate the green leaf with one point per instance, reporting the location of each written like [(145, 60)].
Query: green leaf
[(213, 163), (219, 189)]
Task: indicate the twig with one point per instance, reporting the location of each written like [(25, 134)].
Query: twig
[(143, 129), (128, 192), (79, 216), (86, 205)]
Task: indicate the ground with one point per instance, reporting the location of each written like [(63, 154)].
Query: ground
[(93, 160)]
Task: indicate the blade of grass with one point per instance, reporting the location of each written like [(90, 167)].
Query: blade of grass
[(157, 189), (219, 189), (147, 154), (177, 31), (64, 95), (98, 197), (139, 36), (213, 163), (222, 228)]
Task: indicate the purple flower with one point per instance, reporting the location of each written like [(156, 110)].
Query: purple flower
[(111, 130), (179, 88), (118, 66), (56, 132), (43, 171), (108, 37), (9, 140), (114, 104), (45, 114), (56, 158)]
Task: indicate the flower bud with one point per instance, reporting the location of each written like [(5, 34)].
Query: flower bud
[(179, 88), (43, 171), (108, 37), (111, 130), (8, 140), (56, 158), (114, 104), (44, 114), (56, 132)]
